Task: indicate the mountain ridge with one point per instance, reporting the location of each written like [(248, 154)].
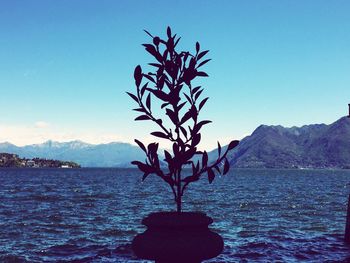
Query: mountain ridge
[(269, 146), (113, 154), (308, 146)]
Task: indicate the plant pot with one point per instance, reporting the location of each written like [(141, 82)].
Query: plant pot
[(177, 237)]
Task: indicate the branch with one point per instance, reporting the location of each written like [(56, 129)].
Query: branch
[(205, 169), (150, 115)]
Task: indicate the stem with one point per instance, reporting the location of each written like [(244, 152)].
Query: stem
[(178, 208), (179, 196), (174, 192), (184, 187)]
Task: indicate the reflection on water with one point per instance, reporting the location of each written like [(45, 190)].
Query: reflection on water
[(91, 215)]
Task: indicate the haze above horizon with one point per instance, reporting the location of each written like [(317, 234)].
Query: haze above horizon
[(67, 64)]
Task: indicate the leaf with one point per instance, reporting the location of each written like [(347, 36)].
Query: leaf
[(164, 105), (156, 41), (184, 132), (160, 135), (226, 166), (200, 124), (138, 75), (152, 50), (195, 89), (168, 31), (202, 74), (141, 145), (197, 47), (181, 105), (191, 178), (217, 169), (187, 155), (143, 167), (175, 148), (160, 81), (148, 33), (133, 97), (232, 145), (211, 175), (193, 168), (148, 101), (203, 62), (188, 98), (219, 149), (177, 41), (152, 148), (165, 54), (204, 159), (173, 117), (197, 167), (143, 89), (194, 113), (201, 104), (155, 65), (192, 63), (196, 139), (142, 118), (198, 94), (136, 163), (202, 54), (148, 46), (186, 117), (145, 176), (149, 78), (161, 95), (167, 156), (139, 110), (169, 84)]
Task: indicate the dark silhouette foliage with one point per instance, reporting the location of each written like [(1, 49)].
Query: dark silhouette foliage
[(171, 84)]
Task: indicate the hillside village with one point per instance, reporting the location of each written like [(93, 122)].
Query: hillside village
[(13, 160)]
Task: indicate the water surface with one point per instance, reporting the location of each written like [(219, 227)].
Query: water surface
[(91, 215)]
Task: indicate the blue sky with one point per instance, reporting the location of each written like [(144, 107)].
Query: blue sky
[(65, 65)]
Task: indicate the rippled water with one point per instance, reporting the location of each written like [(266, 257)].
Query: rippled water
[(91, 215)]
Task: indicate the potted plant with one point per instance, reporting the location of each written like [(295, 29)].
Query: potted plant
[(176, 236)]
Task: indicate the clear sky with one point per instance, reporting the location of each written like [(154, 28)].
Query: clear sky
[(65, 65)]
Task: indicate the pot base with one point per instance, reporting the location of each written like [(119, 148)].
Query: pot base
[(172, 237)]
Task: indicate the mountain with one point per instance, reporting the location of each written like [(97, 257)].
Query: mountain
[(87, 155), (309, 146)]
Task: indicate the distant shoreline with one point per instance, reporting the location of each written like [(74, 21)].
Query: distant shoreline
[(9, 160)]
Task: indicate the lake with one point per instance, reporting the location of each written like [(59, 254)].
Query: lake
[(91, 215)]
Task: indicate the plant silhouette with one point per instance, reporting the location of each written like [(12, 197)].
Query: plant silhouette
[(171, 84)]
